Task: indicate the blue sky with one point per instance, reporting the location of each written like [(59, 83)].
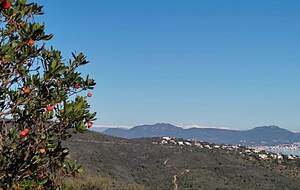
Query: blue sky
[(233, 64)]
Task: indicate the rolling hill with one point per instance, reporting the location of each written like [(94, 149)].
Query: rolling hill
[(158, 166), (266, 135)]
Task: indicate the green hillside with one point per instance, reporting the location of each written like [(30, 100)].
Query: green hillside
[(156, 166)]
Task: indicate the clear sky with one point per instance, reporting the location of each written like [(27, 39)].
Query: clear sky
[(233, 64)]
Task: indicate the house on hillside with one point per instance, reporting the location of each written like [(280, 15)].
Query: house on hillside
[(166, 138), (263, 156)]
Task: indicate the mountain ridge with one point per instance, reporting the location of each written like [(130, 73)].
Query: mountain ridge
[(263, 135)]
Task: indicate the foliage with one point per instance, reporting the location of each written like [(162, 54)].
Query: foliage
[(89, 182), (41, 100)]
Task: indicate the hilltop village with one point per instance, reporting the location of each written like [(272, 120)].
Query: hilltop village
[(247, 152)]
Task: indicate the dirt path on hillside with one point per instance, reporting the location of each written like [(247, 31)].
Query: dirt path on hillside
[(165, 162), (175, 177), (175, 182)]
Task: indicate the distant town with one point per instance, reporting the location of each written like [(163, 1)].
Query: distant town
[(283, 148), (252, 153)]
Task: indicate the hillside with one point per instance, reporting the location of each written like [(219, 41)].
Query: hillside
[(266, 135), (157, 164)]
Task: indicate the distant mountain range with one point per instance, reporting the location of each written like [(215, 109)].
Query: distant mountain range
[(265, 135)]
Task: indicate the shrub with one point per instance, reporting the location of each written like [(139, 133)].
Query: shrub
[(41, 100), (92, 182)]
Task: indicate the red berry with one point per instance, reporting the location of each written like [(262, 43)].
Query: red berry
[(30, 42), (6, 4), (89, 94), (42, 150), (26, 130), (26, 90), (77, 86), (24, 133), (90, 124), (50, 108)]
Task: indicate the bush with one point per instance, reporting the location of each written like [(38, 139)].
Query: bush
[(91, 182), (41, 101)]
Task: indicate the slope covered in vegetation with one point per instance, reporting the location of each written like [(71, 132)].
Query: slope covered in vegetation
[(166, 166)]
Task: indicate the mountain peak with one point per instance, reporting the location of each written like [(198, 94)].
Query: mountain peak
[(164, 125), (270, 127), (161, 126)]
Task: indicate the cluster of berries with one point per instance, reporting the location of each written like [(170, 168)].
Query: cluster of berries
[(6, 4), (89, 94), (50, 108), (77, 86)]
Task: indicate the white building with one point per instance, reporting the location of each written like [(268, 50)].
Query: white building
[(263, 156), (167, 138)]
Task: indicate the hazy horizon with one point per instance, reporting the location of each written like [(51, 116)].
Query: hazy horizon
[(233, 64)]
